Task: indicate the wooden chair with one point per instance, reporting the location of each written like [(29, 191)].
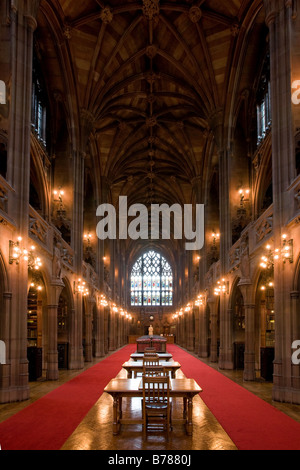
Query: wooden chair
[(151, 361), (154, 370), (150, 350), (156, 404)]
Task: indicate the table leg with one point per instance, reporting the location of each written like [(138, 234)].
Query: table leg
[(184, 407), (120, 408), (189, 422), (116, 424)]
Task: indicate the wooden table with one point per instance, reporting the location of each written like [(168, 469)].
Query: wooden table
[(162, 356), (135, 367), (132, 388)]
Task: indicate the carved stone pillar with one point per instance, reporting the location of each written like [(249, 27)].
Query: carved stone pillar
[(16, 36), (99, 333), (284, 26), (214, 329), (89, 329), (250, 339), (52, 351), (196, 328), (203, 332), (226, 342)]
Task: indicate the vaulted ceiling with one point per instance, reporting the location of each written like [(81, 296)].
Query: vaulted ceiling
[(152, 76)]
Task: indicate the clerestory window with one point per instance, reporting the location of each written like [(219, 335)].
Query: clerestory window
[(152, 281)]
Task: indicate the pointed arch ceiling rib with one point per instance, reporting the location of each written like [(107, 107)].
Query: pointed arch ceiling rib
[(151, 74)]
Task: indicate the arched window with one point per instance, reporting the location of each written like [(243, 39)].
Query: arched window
[(152, 281)]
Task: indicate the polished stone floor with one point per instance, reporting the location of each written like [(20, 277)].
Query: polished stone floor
[(95, 431)]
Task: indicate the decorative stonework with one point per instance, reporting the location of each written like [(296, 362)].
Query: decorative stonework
[(67, 31), (151, 51), (297, 197), (151, 9), (195, 14), (106, 15), (151, 122), (264, 228)]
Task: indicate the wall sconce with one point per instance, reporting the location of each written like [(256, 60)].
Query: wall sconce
[(59, 194), (215, 237), (80, 288), (87, 237), (286, 253), (244, 196), (287, 249), (17, 253), (222, 288), (188, 308), (102, 301), (115, 308), (200, 301), (269, 285), (267, 261)]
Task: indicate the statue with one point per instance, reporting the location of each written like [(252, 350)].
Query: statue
[(150, 331), (57, 261)]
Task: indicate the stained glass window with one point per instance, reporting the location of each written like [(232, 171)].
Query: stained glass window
[(151, 281)]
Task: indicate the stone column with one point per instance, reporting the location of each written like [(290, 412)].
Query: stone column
[(226, 341), (99, 337), (56, 289), (226, 347), (249, 362), (203, 333), (18, 22), (89, 329), (214, 329), (284, 27), (197, 328), (5, 369)]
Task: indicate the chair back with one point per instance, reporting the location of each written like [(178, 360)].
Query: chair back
[(153, 370), (156, 389), (151, 361)]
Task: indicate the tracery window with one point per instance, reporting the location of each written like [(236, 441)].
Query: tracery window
[(152, 281), (264, 114), (39, 107)]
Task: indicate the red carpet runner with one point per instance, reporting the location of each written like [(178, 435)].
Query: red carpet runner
[(251, 423), (48, 423)]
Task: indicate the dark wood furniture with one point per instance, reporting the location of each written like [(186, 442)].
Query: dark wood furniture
[(159, 343), (139, 356), (156, 404), (135, 367), (184, 388)]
